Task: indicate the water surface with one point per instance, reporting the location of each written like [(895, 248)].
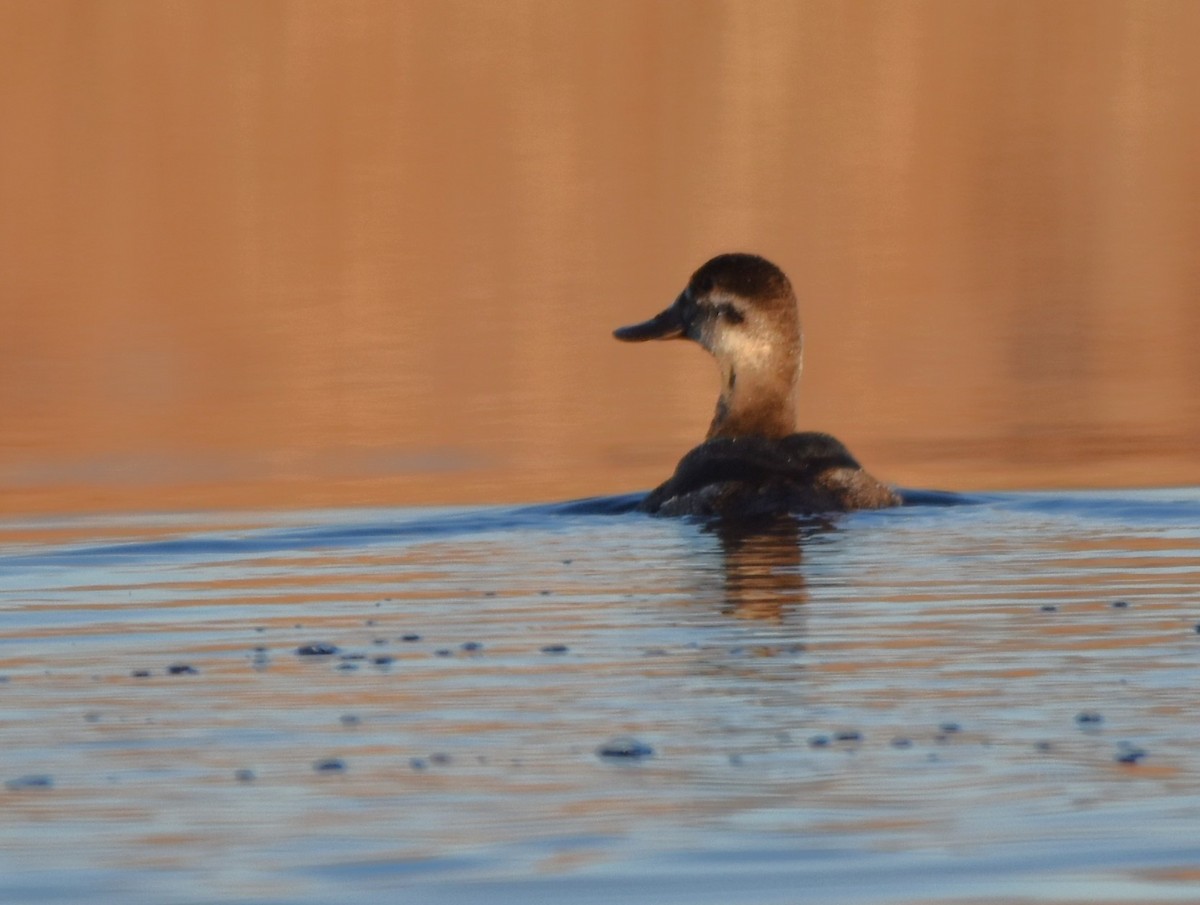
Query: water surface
[(983, 702)]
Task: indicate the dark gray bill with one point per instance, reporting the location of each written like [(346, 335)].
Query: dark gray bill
[(667, 325)]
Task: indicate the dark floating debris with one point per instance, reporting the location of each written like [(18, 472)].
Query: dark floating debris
[(735, 760), (625, 747), (1044, 747), (141, 673), (819, 741), (1089, 718), (1120, 604), (567, 562), (32, 781), (441, 759), (410, 637), (319, 649), (1129, 753), (417, 763), (347, 667), (471, 646), (349, 719), (330, 765), (382, 660), (182, 669), (1049, 608), (901, 742), (353, 657), (544, 593), (443, 652), (950, 728), (555, 649), (244, 775), (849, 735)]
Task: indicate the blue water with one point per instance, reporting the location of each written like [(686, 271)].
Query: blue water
[(992, 701)]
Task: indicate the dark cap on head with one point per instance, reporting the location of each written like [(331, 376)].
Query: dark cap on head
[(741, 274)]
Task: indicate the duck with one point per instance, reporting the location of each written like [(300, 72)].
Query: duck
[(753, 463)]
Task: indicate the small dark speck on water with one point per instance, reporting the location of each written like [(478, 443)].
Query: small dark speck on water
[(489, 593), (901, 742), (182, 669), (141, 673), (244, 775), (849, 736), (349, 719), (1129, 753), (819, 741), (382, 660), (347, 667), (1044, 747), (443, 652), (567, 562), (410, 637), (1089, 718), (735, 760), (379, 641), (33, 781), (441, 759), (417, 763), (1120, 604), (472, 646), (329, 765), (353, 657), (555, 649), (319, 649), (625, 748), (950, 727), (544, 593), (91, 717), (1049, 608)]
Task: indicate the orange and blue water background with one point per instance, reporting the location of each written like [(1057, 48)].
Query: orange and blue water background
[(305, 331)]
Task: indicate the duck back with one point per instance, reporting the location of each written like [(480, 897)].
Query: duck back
[(753, 477)]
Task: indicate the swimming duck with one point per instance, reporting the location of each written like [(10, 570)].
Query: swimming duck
[(742, 309)]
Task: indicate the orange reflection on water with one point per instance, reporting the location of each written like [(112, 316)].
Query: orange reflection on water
[(304, 254)]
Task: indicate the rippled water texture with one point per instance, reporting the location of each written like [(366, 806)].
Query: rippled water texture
[(928, 704)]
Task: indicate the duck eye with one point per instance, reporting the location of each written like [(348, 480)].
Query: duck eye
[(730, 314)]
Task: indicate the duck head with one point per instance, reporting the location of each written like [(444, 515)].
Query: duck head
[(742, 309)]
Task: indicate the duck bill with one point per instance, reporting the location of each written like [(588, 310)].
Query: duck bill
[(667, 325)]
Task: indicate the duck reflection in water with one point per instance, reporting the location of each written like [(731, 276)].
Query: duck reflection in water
[(752, 465), (762, 566)]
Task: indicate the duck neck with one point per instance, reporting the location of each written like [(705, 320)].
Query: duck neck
[(756, 401)]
